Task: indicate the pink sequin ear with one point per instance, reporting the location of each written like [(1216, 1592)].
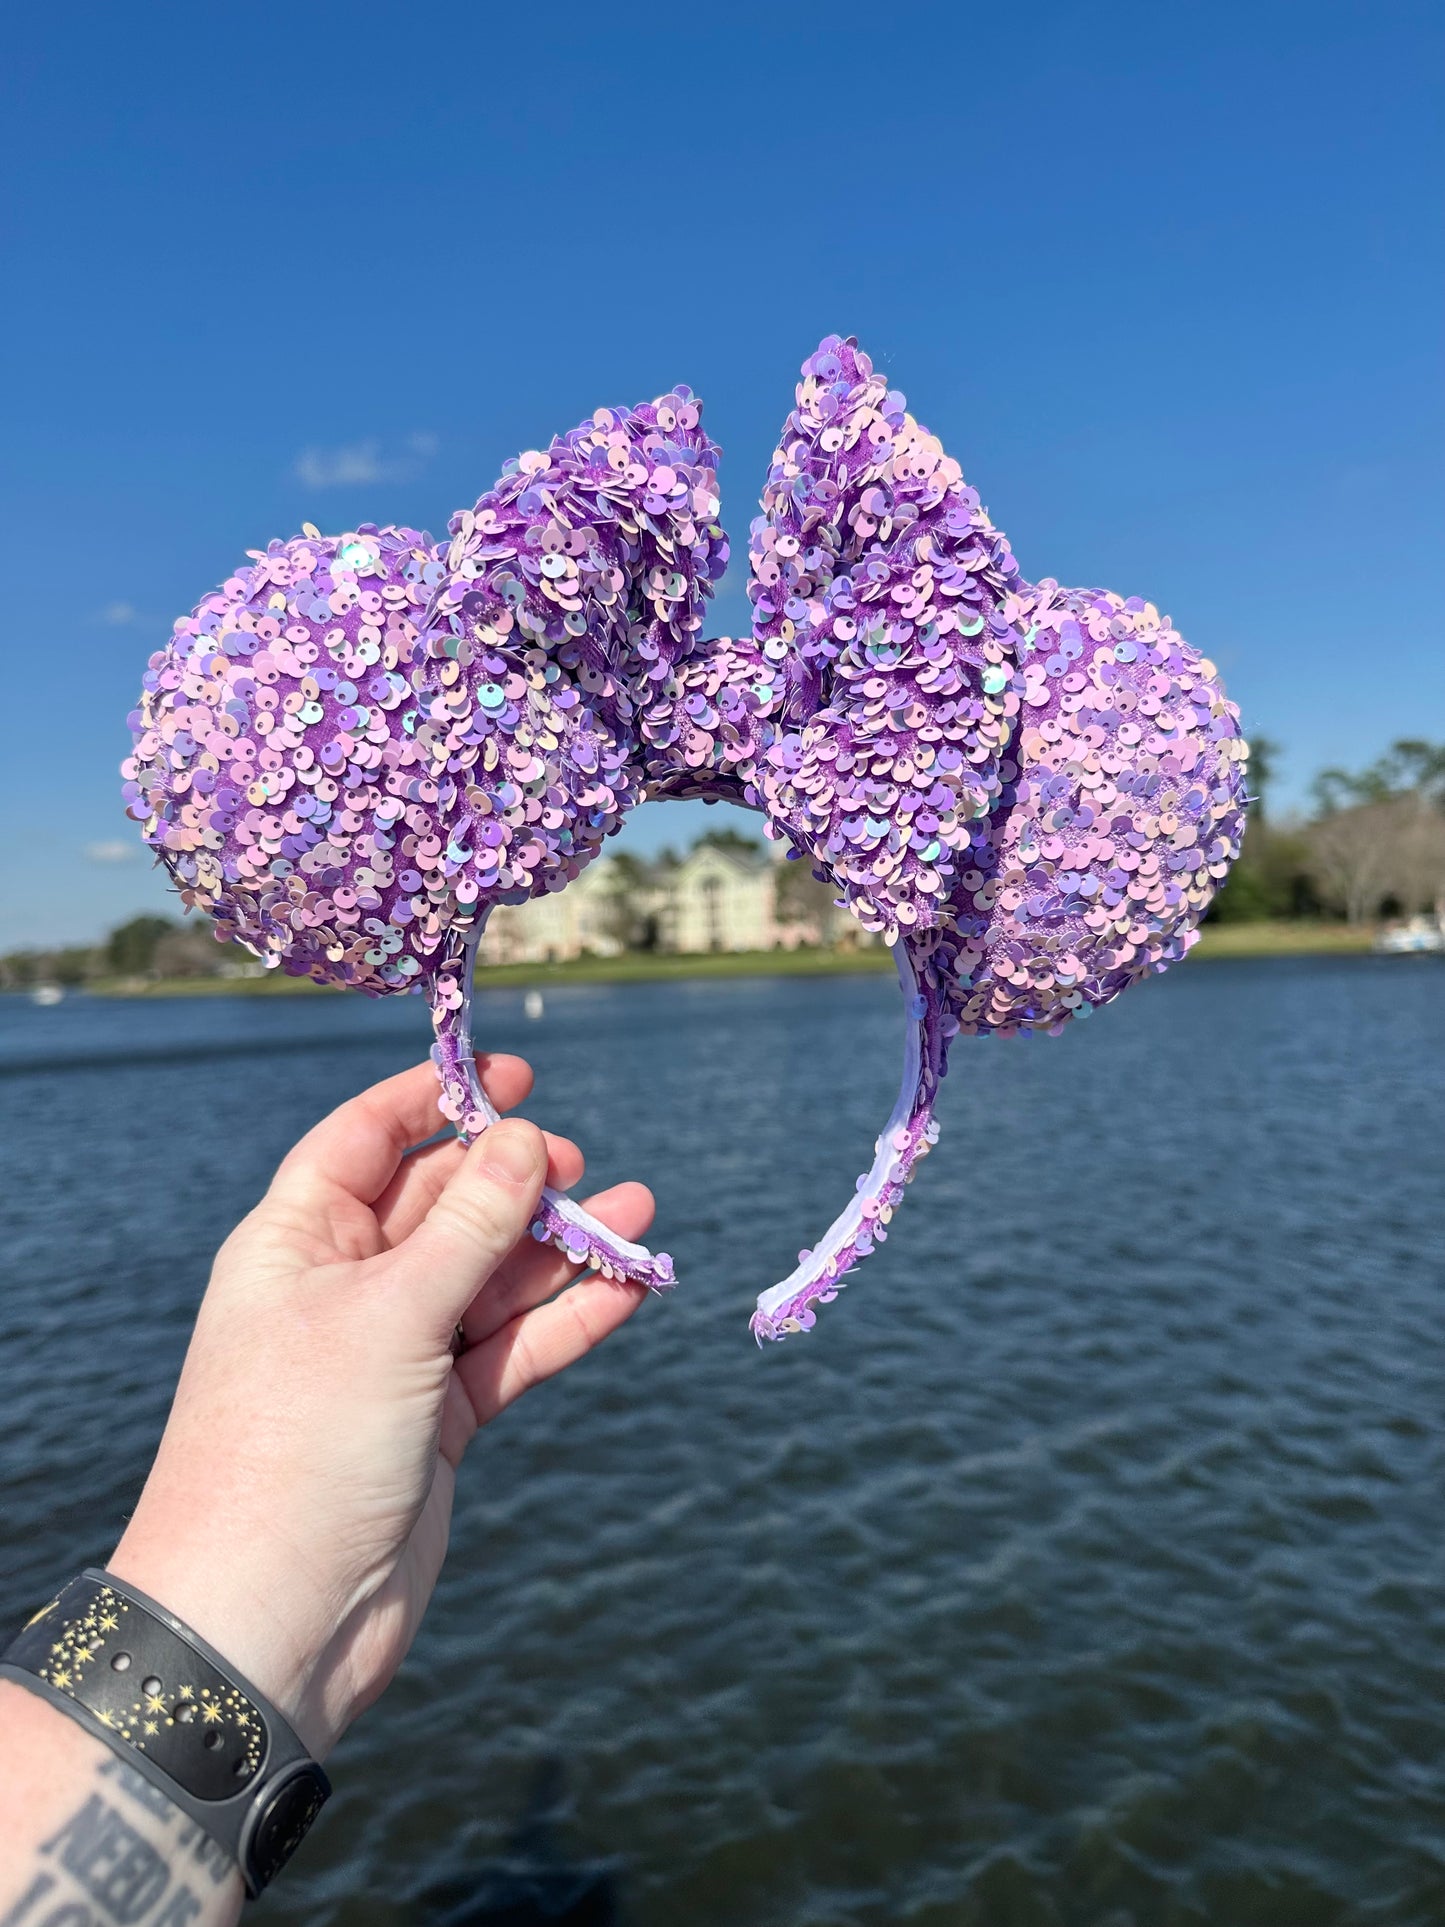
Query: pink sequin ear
[(1124, 810), (358, 746), (878, 585), (282, 771), (1031, 793)]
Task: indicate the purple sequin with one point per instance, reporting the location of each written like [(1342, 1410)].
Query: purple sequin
[(359, 745)]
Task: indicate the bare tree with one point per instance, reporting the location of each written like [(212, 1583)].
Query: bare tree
[(626, 913), (1393, 848), (1416, 870), (189, 951), (1381, 832), (802, 903)]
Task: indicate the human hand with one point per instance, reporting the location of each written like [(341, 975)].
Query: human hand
[(297, 1513)]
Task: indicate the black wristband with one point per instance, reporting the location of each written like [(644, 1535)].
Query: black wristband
[(172, 1708)]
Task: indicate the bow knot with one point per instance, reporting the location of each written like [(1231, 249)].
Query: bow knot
[(357, 747)]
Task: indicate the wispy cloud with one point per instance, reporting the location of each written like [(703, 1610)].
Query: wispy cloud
[(358, 463), (120, 614), (114, 851)]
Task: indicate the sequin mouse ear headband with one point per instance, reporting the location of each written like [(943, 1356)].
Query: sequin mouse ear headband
[(357, 747)]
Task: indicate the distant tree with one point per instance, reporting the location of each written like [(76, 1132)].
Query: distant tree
[(1264, 759), (1416, 871), (730, 840), (1413, 764), (189, 950), (130, 949), (1387, 851), (799, 898), (1379, 838), (74, 964), (17, 970), (1409, 767), (1273, 876), (625, 912)]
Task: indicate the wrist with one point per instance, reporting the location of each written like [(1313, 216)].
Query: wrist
[(187, 1732), (63, 1791), (243, 1616)]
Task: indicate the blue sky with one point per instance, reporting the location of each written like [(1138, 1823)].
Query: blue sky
[(1166, 279)]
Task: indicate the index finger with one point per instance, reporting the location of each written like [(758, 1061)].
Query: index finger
[(361, 1143)]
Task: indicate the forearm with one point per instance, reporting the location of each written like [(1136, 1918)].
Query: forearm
[(88, 1842), (296, 1517)]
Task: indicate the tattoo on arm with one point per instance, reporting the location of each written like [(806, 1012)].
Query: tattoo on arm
[(100, 1870), (204, 1851)]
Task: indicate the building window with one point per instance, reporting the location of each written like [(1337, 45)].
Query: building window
[(712, 911)]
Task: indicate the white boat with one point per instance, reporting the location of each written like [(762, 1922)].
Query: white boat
[(1422, 936), (47, 994), (532, 1004)]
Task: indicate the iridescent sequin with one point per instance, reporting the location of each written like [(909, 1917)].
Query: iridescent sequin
[(1032, 793), (358, 746)]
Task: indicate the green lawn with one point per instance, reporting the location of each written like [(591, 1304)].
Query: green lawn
[(636, 967), (1271, 939), (1218, 940)]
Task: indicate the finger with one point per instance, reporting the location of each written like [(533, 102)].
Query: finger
[(532, 1272), (539, 1344), (424, 1174), (360, 1145), (484, 1208)]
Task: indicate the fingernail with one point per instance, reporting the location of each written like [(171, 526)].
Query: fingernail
[(512, 1152)]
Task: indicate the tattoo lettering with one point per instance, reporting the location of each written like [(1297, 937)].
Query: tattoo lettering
[(37, 1890), (128, 1881), (121, 1871), (204, 1851), (139, 1788)]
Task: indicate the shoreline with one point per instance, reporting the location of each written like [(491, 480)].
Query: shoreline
[(1218, 941)]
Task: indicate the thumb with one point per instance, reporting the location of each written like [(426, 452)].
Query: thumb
[(486, 1207)]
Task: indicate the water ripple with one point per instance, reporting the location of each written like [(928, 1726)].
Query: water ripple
[(1083, 1569)]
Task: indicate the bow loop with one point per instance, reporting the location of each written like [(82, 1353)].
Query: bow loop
[(878, 583)]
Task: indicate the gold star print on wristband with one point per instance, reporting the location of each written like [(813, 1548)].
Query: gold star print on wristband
[(84, 1640)]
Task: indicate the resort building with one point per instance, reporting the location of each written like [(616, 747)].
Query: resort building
[(581, 920), (719, 897)]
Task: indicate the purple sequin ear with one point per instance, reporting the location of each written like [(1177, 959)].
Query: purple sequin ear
[(1032, 793), (703, 723), (1122, 814), (569, 594), (358, 746), (278, 772)]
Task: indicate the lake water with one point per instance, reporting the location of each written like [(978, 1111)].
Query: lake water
[(1083, 1569)]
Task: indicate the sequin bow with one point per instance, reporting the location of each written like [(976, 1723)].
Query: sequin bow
[(358, 746)]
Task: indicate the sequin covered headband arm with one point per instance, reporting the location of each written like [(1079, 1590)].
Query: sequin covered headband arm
[(1031, 793), (357, 747)]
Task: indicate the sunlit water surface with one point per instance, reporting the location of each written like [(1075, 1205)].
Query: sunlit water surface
[(1084, 1566)]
